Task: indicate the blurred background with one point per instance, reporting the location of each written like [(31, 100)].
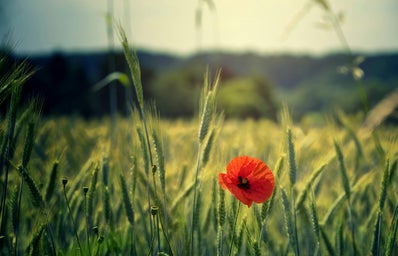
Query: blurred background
[(315, 56)]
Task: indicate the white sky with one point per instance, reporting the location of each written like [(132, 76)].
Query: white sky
[(169, 25)]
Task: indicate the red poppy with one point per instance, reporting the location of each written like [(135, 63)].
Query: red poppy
[(248, 179)]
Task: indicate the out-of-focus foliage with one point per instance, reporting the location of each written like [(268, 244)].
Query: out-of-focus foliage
[(177, 92), (248, 97), (65, 82)]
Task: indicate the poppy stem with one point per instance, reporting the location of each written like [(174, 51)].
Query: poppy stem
[(233, 230)]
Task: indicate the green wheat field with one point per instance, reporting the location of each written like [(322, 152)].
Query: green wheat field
[(142, 185)]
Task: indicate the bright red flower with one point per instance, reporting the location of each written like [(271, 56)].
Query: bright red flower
[(248, 179)]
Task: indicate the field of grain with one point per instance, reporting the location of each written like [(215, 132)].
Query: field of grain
[(73, 187), (142, 185)]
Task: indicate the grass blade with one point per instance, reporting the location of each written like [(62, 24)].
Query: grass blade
[(328, 244), (392, 233), (345, 181), (309, 183), (52, 181)]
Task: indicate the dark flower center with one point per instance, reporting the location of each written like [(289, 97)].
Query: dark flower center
[(243, 183)]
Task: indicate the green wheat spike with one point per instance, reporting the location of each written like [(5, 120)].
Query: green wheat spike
[(209, 106), (288, 217), (127, 203), (29, 141), (383, 189), (220, 216), (108, 213), (292, 158), (14, 208), (8, 145), (314, 217), (221, 213), (52, 181), (285, 116), (392, 233), (134, 170), (37, 199), (14, 78), (134, 66), (90, 197), (340, 158), (207, 149), (393, 169), (105, 170), (158, 146), (207, 114), (215, 202), (144, 149)]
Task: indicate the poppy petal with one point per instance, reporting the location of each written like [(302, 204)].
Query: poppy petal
[(241, 195), (257, 177), (232, 186), (261, 191)]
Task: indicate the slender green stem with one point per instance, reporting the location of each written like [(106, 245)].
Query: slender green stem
[(195, 197), (233, 230), (155, 221), (17, 217), (85, 189), (152, 241), (220, 240), (296, 246), (158, 230), (5, 157), (99, 242), (64, 181), (165, 235), (155, 217), (154, 169), (354, 246), (148, 147)]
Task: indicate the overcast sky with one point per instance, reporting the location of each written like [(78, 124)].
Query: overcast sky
[(169, 25)]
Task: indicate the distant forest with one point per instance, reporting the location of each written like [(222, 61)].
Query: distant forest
[(252, 85)]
